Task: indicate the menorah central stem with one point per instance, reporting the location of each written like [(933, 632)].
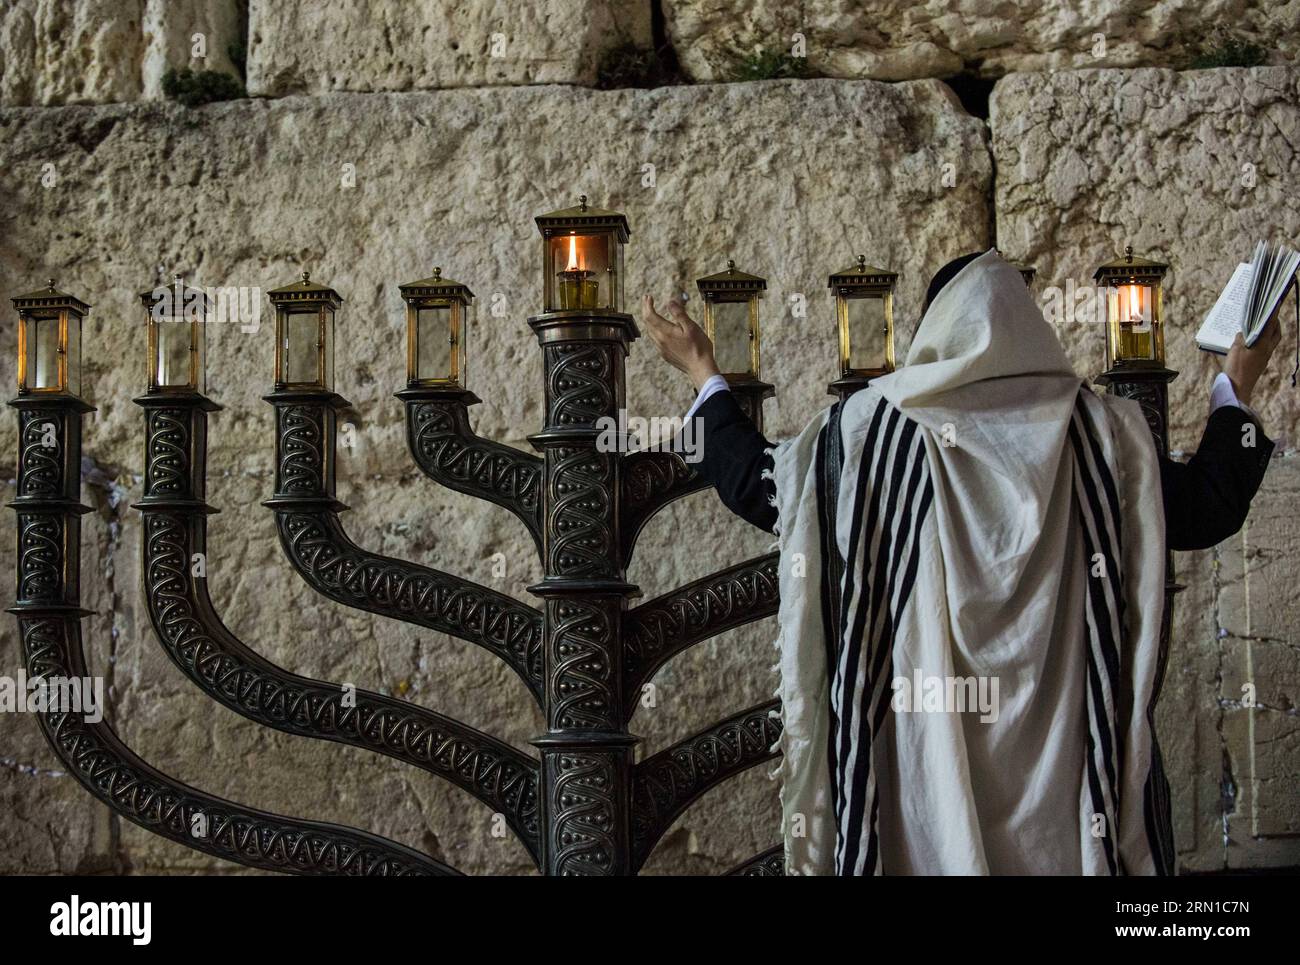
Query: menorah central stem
[(586, 751)]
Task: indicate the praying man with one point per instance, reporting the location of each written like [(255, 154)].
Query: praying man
[(979, 514)]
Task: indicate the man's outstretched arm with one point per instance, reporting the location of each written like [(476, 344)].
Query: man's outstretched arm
[(733, 456), (1207, 498)]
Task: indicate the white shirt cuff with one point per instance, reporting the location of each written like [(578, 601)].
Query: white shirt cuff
[(1222, 393), (713, 385)]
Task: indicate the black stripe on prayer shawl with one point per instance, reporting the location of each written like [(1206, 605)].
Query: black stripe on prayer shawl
[(829, 461), (879, 646), (1156, 809), (1156, 804), (871, 864), (876, 591), (876, 453), (872, 447), (1101, 687)]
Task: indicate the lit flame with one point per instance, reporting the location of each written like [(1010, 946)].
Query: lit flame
[(1134, 304), (573, 254)]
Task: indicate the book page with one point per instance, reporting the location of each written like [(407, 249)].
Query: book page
[(1224, 320)]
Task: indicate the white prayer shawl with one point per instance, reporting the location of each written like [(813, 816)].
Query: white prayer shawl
[(1001, 522)]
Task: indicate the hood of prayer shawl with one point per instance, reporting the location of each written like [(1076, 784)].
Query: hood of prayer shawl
[(987, 375)]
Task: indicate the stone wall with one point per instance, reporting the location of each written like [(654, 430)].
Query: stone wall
[(104, 51), (902, 39), (369, 188)]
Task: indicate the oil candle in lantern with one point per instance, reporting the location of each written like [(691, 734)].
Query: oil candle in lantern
[(583, 258), (578, 287), (1134, 322)]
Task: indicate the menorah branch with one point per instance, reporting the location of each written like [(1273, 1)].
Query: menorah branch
[(664, 785), (315, 543), (193, 635), (765, 864), (662, 628), (447, 450), (49, 613)]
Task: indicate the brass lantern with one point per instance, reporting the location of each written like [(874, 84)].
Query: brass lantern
[(583, 258), (175, 319), (49, 341), (304, 334), (864, 311), (1134, 311), (437, 329), (731, 320)]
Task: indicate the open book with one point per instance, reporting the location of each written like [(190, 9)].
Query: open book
[(1252, 293)]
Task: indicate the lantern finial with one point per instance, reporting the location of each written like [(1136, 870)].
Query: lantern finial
[(1128, 253), (306, 277), (862, 263), (437, 272), (582, 202), (50, 284), (731, 266)]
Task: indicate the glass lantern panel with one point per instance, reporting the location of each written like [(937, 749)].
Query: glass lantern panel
[(616, 259), (201, 355), (43, 353), (732, 337), (867, 332), (463, 313), (327, 338), (74, 353), (301, 349), (579, 275), (173, 362), (1132, 332), (433, 342)]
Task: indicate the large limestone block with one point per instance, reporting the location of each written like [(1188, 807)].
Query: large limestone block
[(101, 51), (900, 40), (1189, 168), (790, 179), (384, 45)]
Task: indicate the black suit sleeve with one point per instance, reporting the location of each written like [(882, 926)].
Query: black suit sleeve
[(1207, 498), (733, 457)]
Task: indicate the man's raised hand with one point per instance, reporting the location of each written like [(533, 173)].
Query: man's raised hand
[(679, 340)]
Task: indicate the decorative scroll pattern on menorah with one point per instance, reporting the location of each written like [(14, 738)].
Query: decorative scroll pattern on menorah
[(40, 545), (40, 454), (1149, 395), (665, 784), (585, 812), (582, 539), (448, 452), (167, 448), (580, 378), (658, 630), (584, 688), (765, 864), (333, 565), (301, 465), (650, 481), (197, 641), (115, 775)]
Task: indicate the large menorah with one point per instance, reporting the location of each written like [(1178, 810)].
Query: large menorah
[(584, 805)]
